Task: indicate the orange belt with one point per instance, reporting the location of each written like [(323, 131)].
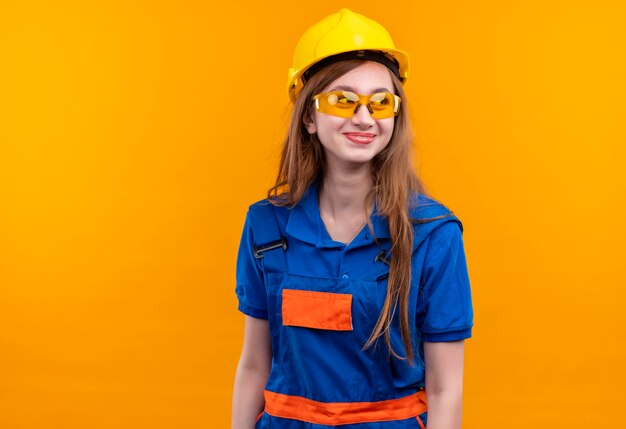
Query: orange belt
[(343, 413)]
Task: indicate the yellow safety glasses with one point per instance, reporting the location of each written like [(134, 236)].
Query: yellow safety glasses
[(345, 104)]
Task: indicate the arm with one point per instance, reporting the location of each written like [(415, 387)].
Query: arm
[(444, 383), (252, 373), (445, 318)]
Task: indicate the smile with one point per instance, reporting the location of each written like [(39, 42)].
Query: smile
[(360, 138)]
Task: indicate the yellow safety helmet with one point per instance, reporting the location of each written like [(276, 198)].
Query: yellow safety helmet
[(343, 35)]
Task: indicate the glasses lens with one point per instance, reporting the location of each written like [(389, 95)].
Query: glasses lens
[(345, 99), (337, 103), (383, 105)]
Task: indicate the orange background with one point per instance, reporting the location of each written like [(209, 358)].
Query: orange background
[(133, 136)]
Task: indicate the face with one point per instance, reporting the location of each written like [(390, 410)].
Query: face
[(350, 142)]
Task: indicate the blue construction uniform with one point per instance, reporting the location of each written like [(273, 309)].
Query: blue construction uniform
[(327, 364)]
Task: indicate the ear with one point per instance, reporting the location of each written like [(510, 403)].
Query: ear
[(310, 126)]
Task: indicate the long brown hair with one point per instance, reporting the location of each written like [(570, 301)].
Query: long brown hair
[(394, 179)]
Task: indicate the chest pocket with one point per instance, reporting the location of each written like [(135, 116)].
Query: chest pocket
[(317, 310)]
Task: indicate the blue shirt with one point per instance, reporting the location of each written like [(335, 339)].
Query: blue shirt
[(329, 364)]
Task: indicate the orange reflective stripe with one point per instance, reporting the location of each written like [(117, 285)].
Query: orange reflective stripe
[(420, 422), (320, 310), (343, 413)]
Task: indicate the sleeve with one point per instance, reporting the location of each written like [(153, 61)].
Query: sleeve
[(250, 286), (445, 310)]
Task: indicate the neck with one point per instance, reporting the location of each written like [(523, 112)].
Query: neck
[(343, 192)]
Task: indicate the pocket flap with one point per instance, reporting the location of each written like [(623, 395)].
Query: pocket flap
[(319, 310)]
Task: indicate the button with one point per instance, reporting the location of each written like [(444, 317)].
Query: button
[(345, 276)]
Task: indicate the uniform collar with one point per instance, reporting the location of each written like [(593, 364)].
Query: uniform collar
[(305, 223)]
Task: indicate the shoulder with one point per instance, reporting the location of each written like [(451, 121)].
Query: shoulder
[(433, 222), (423, 207), (262, 211), (265, 205), (259, 205), (447, 234)]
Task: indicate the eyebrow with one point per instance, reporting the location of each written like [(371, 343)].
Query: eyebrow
[(349, 88)]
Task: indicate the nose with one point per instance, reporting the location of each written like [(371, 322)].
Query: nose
[(362, 117)]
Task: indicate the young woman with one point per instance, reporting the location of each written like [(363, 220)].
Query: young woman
[(353, 281)]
